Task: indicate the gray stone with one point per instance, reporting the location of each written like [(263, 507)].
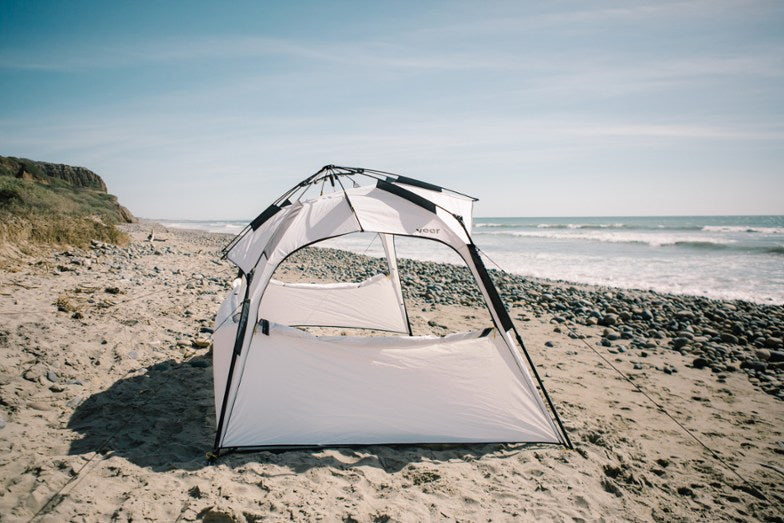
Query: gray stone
[(762, 354), (776, 356), (699, 363), (755, 365), (610, 319), (774, 343), (726, 337), (678, 343)]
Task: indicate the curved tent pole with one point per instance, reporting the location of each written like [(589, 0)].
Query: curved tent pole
[(331, 171), (238, 342)]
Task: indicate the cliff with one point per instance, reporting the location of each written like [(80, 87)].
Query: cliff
[(52, 203)]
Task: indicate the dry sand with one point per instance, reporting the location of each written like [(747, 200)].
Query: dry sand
[(107, 413)]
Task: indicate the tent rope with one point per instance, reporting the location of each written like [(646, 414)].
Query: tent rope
[(751, 488)]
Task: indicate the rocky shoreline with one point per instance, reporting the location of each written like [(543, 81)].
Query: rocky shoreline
[(721, 336)]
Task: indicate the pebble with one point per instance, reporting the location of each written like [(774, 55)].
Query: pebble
[(762, 354), (700, 363)]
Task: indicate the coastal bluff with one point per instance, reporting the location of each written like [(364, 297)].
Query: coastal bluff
[(46, 173), (51, 203)]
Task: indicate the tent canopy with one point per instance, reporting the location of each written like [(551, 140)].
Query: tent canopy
[(276, 385)]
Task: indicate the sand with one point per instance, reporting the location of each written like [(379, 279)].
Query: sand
[(107, 413)]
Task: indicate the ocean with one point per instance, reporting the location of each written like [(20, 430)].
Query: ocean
[(726, 257)]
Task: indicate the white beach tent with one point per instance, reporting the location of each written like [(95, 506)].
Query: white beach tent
[(279, 386)]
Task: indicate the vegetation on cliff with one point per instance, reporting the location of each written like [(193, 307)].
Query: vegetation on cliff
[(45, 203)]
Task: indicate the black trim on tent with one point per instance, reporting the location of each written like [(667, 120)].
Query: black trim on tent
[(407, 195), (486, 332), (508, 325), (283, 447), (265, 327), (268, 213), (238, 341), (544, 390), (415, 183), (492, 292)]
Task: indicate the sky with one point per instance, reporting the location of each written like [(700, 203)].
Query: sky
[(210, 110)]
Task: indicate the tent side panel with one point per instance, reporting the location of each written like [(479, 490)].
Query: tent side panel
[(371, 304), (302, 390)]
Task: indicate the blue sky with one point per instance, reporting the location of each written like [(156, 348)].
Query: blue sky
[(209, 110)]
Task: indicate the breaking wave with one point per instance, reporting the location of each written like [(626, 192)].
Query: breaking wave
[(741, 228), (693, 241)]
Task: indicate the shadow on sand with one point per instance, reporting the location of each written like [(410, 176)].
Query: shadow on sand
[(164, 419)]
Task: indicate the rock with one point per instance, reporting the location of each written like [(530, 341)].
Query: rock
[(755, 365), (684, 314), (201, 343), (699, 363), (776, 356), (609, 319), (218, 516), (51, 376), (762, 354), (678, 343), (549, 344), (2, 423), (726, 337), (774, 343), (647, 315), (685, 491)]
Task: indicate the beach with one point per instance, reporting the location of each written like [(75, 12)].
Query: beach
[(107, 407)]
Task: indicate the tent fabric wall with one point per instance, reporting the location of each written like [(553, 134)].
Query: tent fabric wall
[(507, 406), (371, 304), (298, 389)]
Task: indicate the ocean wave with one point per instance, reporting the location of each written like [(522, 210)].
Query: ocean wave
[(703, 242), (743, 228), (654, 240), (583, 226), (590, 226)]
